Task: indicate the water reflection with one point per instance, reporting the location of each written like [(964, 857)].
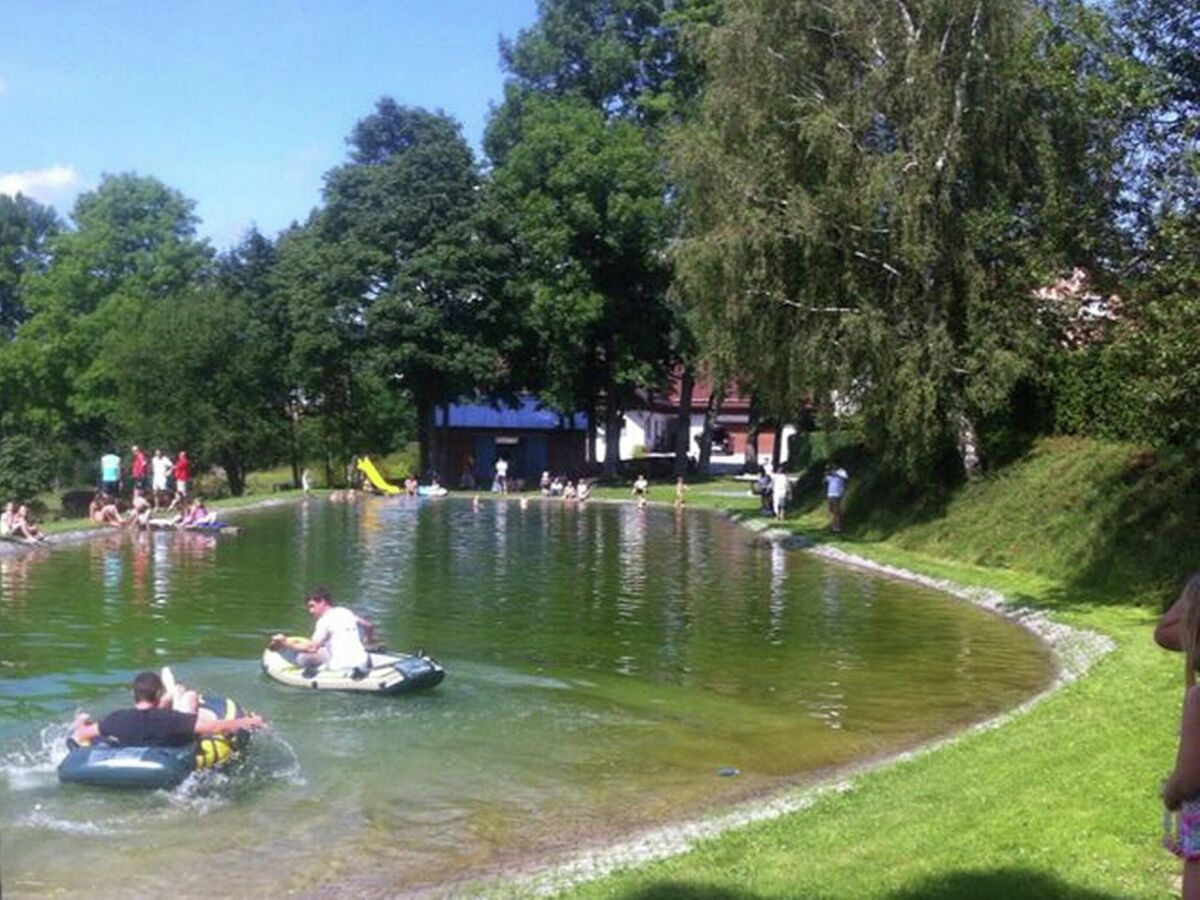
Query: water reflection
[(15, 571)]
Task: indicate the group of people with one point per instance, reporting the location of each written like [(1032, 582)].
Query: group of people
[(166, 713), (565, 488), (774, 488), (156, 478), (106, 510), (16, 523)]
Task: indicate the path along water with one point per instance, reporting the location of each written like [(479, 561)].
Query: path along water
[(608, 668)]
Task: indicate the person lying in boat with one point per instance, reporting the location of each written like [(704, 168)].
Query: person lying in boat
[(336, 642), (160, 717)]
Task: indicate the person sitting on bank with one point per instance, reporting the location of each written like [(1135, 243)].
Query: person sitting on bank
[(140, 510), (336, 642), (159, 718), (103, 511), (584, 491), (24, 527), (6, 519)]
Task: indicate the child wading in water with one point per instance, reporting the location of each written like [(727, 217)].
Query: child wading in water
[(1179, 629)]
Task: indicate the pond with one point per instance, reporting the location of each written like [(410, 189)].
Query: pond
[(606, 668)]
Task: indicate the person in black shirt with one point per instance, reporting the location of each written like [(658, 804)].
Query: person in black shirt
[(153, 723)]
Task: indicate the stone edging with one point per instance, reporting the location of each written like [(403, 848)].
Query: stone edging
[(1075, 651)]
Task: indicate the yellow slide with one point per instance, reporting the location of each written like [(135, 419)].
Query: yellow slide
[(367, 467)]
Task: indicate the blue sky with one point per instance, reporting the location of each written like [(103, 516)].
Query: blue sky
[(242, 105)]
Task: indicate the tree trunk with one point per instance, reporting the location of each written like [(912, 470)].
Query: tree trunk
[(750, 458), (711, 411), (683, 425), (235, 475), (294, 447), (612, 438), (776, 450), (968, 446), (424, 420), (589, 452)]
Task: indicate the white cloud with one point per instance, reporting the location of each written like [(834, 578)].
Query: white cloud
[(44, 185)]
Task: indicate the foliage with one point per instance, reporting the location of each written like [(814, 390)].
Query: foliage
[(585, 201), (26, 228), (873, 190), (25, 469)]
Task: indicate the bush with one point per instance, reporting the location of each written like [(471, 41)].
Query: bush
[(26, 469)]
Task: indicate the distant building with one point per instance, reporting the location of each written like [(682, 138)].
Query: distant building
[(650, 426), (531, 437)]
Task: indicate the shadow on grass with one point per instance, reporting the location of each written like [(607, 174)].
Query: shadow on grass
[(998, 884), (671, 890)]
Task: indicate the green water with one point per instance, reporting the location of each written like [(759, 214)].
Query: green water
[(603, 664)]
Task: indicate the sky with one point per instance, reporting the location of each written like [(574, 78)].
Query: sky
[(241, 105)]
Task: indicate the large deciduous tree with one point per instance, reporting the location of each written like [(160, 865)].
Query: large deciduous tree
[(585, 197), (874, 189), (132, 247), (400, 215)]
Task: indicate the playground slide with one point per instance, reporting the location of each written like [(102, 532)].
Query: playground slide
[(367, 467)]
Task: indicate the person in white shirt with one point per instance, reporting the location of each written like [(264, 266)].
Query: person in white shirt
[(161, 467), (502, 475), (336, 642), (781, 486), (835, 488)]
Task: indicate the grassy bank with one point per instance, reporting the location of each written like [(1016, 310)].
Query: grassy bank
[(1060, 802)]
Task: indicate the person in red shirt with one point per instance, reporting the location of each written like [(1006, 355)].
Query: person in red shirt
[(138, 468), (182, 473)]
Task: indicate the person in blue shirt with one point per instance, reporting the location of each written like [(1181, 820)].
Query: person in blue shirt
[(110, 474), (835, 488)]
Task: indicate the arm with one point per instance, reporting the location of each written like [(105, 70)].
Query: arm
[(367, 627), (223, 726), (85, 729), (304, 645), (1184, 781), (1166, 633)]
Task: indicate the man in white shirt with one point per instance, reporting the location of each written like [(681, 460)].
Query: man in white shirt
[(502, 475), (160, 471), (336, 642)]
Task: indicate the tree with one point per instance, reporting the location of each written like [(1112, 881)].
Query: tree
[(133, 247), (26, 228), (873, 190), (401, 216), (585, 200)]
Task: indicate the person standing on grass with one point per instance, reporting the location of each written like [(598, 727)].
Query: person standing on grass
[(1179, 629), (835, 488), (183, 473), (781, 487), (680, 492), (137, 468), (110, 474), (161, 468)]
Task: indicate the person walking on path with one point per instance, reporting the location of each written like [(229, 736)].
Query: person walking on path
[(835, 488)]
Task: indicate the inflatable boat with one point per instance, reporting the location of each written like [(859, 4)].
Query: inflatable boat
[(390, 673), (104, 764)]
